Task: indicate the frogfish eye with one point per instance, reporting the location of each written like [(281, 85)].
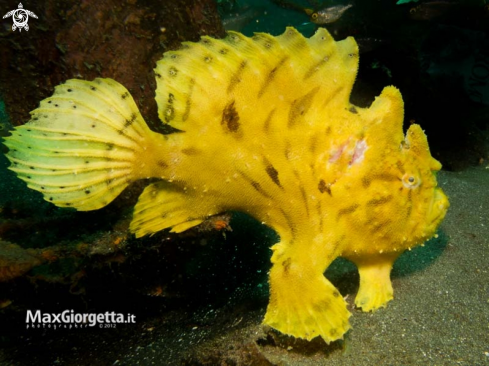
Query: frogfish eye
[(314, 16), (410, 181)]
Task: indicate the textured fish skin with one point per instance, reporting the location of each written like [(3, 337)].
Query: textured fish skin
[(266, 128)]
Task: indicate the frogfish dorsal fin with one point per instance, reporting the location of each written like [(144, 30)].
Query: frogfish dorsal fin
[(233, 78)]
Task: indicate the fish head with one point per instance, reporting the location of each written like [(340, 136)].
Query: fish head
[(421, 201), (403, 203)]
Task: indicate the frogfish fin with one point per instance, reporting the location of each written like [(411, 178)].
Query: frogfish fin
[(164, 205), (238, 85), (84, 145), (304, 304)]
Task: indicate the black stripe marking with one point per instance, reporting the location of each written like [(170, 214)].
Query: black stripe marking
[(273, 174), (333, 95), (304, 198), (346, 211), (255, 185), (266, 124), (236, 78), (367, 180), (320, 215), (258, 188), (230, 118), (271, 75), (300, 107), (379, 201), (289, 224), (188, 102), (315, 68), (313, 144)]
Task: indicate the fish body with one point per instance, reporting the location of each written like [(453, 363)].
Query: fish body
[(433, 9), (266, 128), (328, 15)]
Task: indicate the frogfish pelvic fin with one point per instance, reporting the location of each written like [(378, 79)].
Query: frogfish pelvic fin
[(265, 127)]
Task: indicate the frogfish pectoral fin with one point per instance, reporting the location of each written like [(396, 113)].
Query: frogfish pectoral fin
[(375, 284), (163, 205), (304, 304)]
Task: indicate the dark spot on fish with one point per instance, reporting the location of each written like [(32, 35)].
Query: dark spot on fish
[(49, 102), (286, 264), (170, 110), (172, 71), (50, 198), (69, 90), (190, 151), (35, 118), (87, 162), (230, 118), (29, 177), (31, 167), (74, 107), (400, 166), (223, 51), (273, 174), (323, 187), (110, 146), (336, 293), (93, 88), (162, 164), (158, 75), (93, 126), (365, 182), (62, 187), (353, 110), (87, 192), (56, 105), (125, 95)]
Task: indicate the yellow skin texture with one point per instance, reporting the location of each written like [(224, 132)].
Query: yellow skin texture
[(267, 129)]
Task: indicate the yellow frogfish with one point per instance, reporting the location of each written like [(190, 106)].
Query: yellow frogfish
[(264, 126)]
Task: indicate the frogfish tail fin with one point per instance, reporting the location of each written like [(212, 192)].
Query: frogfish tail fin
[(84, 145)]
